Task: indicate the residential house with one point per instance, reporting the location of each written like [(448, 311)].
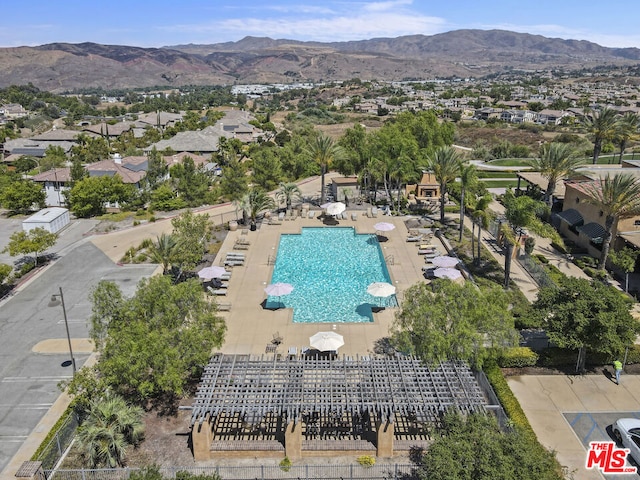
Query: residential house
[(54, 182)]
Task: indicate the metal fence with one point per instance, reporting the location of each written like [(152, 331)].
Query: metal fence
[(494, 404), (258, 472), (53, 451)]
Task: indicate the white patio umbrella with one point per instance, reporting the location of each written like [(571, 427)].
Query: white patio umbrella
[(325, 205), (335, 208), (381, 289), (445, 261), (207, 273), (325, 341), (384, 226), (450, 273), (278, 289)]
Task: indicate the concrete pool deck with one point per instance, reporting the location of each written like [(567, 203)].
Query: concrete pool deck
[(251, 328)]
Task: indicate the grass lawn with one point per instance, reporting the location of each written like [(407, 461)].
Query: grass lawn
[(510, 162), (501, 183), (489, 174)]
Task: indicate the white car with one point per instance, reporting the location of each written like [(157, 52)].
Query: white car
[(627, 432)]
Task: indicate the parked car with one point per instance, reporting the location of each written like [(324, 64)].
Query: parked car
[(627, 433)]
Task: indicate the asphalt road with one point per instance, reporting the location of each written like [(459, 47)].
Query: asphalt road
[(28, 380)]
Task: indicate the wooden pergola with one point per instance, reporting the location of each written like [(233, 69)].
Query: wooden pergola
[(340, 397)]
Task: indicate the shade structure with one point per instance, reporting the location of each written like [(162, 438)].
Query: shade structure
[(381, 289), (335, 208), (450, 273), (278, 289), (384, 226), (445, 261), (207, 273), (326, 341)]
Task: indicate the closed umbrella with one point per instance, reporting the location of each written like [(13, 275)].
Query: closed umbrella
[(381, 289), (326, 341), (450, 273), (384, 226), (207, 273), (278, 289), (335, 208), (445, 261)]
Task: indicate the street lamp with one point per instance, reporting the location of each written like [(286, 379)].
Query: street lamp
[(58, 299)]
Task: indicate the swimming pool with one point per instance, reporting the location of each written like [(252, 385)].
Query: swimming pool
[(330, 269)]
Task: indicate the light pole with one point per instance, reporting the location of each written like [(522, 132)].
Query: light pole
[(58, 299)]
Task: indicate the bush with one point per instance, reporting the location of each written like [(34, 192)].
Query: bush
[(285, 464), (542, 259), (529, 244), (559, 247), (366, 460), (517, 357), (558, 357)]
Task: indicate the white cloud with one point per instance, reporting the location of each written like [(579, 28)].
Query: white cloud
[(385, 6)]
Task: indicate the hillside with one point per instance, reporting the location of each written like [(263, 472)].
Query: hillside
[(60, 67)]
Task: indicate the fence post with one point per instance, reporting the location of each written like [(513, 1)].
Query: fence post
[(351, 471)]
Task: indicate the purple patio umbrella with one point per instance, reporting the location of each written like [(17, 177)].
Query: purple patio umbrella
[(278, 289), (450, 273), (445, 261), (384, 226), (207, 273)]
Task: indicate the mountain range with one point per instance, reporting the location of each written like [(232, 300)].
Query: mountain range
[(60, 67)]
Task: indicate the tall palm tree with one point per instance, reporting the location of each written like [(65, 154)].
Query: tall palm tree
[(626, 130), (556, 161), (618, 197), (254, 203), (323, 151), (445, 164), (162, 251), (468, 177), (110, 427), (602, 125), (288, 193)]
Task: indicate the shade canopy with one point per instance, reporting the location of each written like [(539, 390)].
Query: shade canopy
[(384, 226), (335, 208), (278, 289), (381, 289), (325, 341), (445, 261), (207, 273), (450, 273)]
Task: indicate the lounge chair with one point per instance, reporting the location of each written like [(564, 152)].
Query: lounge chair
[(281, 216), (242, 241), (235, 255), (273, 221), (415, 238), (354, 216), (294, 215), (271, 348), (226, 276), (240, 246), (224, 307), (233, 263), (374, 212), (218, 291), (312, 214), (369, 212), (293, 352)]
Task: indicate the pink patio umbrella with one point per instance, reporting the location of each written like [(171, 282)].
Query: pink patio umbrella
[(207, 273), (450, 273), (278, 289), (445, 261), (384, 226)]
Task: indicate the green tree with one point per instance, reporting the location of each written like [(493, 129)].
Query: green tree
[(625, 259), (587, 316), (254, 203), (356, 153), (35, 241), (445, 165), (158, 340), (192, 183), (602, 126), (165, 199), (54, 157), (163, 250), (234, 183), (267, 168), (288, 193), (618, 197), (468, 178), (110, 428), (323, 151), (88, 197), (473, 447), (626, 130), (22, 196), (192, 234), (5, 271), (157, 169), (446, 321), (556, 161)]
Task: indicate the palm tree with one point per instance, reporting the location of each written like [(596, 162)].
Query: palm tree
[(618, 197), (254, 203), (110, 427), (602, 124), (445, 164), (626, 130), (162, 251), (323, 151), (288, 193), (556, 161), (468, 177)]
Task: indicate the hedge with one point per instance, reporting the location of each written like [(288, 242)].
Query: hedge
[(54, 430), (517, 357)]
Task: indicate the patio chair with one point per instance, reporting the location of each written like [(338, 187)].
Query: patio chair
[(294, 214), (312, 214), (354, 216), (281, 216), (273, 221), (368, 212), (271, 348), (374, 212), (277, 338), (293, 352)]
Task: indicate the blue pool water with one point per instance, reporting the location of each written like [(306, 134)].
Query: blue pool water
[(330, 269)]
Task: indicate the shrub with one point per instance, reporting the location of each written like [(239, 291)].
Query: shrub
[(559, 247), (529, 244), (366, 460), (518, 357), (541, 258), (558, 357), (152, 218), (285, 464), (136, 223)]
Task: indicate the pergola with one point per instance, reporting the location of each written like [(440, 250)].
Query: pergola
[(340, 396)]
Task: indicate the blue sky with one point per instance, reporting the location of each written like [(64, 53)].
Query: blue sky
[(161, 22)]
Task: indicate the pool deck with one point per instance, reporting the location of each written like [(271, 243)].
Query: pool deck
[(251, 328)]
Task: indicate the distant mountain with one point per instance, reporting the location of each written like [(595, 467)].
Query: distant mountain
[(62, 66)]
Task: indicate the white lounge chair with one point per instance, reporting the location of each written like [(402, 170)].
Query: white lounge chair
[(354, 216), (281, 216), (374, 212), (224, 307), (233, 263), (218, 291), (312, 214), (235, 255)]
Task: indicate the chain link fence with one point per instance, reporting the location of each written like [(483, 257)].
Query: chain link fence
[(53, 451)]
